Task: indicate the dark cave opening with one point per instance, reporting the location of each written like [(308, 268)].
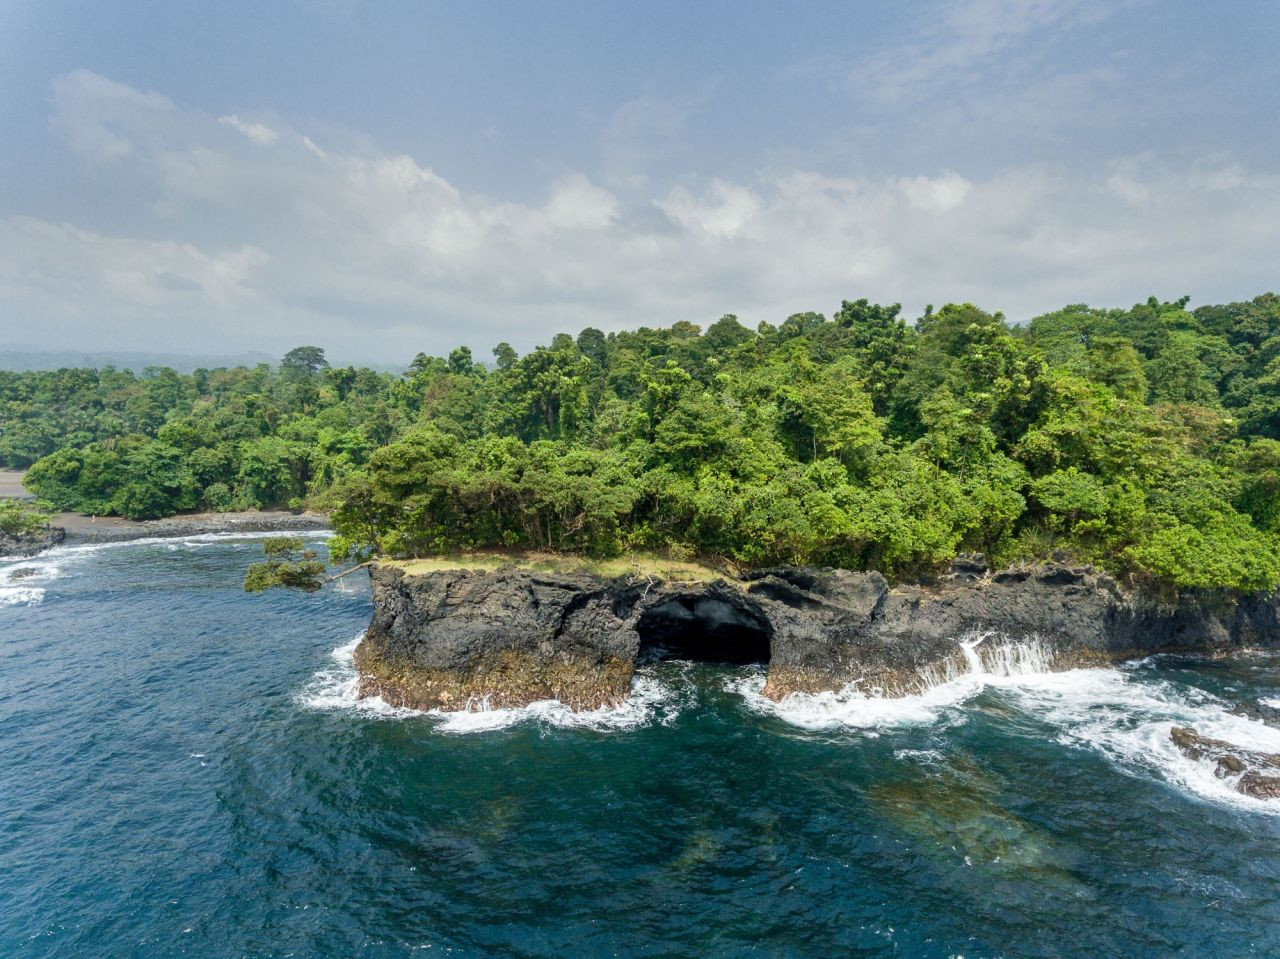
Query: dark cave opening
[(704, 629)]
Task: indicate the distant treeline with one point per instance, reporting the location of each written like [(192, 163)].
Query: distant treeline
[(1145, 440), (22, 361)]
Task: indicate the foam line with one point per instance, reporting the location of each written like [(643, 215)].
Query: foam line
[(336, 687)]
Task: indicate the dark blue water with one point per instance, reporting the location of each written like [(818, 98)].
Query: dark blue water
[(183, 772)]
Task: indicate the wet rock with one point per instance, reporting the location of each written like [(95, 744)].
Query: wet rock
[(506, 638), (23, 572), (1261, 712), (1258, 773), (511, 636), (1259, 786), (29, 544)]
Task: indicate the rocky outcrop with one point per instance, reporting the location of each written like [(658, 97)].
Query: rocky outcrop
[(506, 638), (28, 544), (510, 637), (893, 641), (1255, 774)]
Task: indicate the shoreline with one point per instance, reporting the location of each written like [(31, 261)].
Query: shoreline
[(81, 529)]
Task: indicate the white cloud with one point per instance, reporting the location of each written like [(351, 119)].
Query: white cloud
[(259, 133), (577, 203), (1217, 173), (940, 193), (1126, 182), (96, 114), (957, 41), (376, 255), (723, 212), (647, 131)]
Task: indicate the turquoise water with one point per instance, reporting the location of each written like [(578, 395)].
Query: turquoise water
[(184, 771)]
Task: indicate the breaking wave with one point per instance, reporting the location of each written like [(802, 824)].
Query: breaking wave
[(946, 687), (22, 583), (191, 541), (336, 687), (1125, 714), (1127, 717)]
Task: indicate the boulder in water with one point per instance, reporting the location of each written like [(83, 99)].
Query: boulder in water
[(1258, 773)]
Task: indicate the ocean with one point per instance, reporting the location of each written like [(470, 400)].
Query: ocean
[(185, 771)]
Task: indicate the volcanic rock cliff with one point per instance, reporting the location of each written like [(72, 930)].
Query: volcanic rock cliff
[(510, 637)]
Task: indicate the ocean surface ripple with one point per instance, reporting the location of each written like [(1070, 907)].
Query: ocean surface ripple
[(185, 770)]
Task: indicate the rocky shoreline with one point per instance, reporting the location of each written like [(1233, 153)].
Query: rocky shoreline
[(75, 529), (508, 637), (29, 544)]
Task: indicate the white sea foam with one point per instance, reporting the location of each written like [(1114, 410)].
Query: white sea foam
[(42, 571), (925, 757), (984, 662), (26, 590), (1128, 717), (851, 708), (30, 590), (1273, 703), (649, 700), (21, 595), (336, 687), (1125, 714), (193, 541)]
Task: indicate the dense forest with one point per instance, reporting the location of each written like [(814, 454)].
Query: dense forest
[(1145, 440)]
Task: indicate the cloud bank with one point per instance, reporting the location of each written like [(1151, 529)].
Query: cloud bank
[(250, 232)]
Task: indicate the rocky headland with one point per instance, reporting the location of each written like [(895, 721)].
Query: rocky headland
[(28, 544), (451, 638)]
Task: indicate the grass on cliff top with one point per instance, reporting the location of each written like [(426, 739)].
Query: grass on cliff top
[(641, 564)]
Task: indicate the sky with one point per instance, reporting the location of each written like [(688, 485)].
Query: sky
[(382, 178)]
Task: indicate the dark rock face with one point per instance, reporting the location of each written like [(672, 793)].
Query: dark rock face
[(28, 544), (1259, 773), (511, 637), (508, 638)]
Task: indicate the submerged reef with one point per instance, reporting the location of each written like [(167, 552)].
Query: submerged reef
[(449, 639)]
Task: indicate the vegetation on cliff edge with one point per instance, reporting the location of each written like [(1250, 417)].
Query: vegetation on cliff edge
[(1145, 440)]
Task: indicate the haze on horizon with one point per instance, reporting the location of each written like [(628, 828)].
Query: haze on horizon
[(383, 179)]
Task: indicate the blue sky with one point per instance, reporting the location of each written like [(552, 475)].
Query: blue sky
[(384, 178)]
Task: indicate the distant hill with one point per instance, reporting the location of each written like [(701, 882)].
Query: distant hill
[(20, 361)]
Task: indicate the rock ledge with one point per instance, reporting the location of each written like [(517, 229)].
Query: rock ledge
[(509, 637)]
